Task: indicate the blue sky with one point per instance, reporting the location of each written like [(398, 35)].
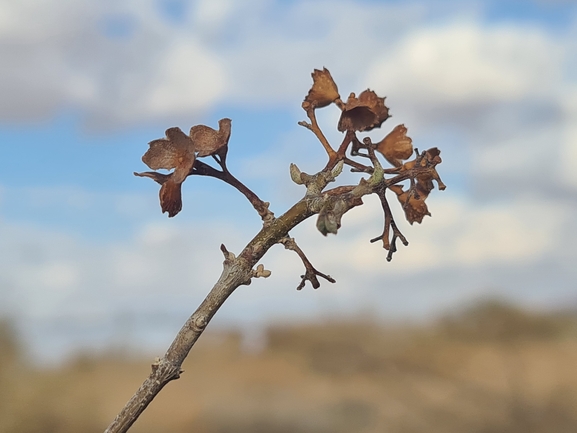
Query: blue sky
[(85, 251)]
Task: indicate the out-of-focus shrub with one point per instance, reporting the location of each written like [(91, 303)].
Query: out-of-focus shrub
[(498, 321)]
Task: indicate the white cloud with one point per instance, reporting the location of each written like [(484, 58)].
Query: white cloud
[(464, 63), (567, 156), (257, 52), (59, 54), (189, 79), (77, 275), (212, 15), (456, 75)]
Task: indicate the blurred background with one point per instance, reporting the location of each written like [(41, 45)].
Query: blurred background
[(472, 327)]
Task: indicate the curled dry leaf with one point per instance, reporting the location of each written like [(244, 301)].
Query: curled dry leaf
[(323, 92), (414, 206), (175, 151), (208, 141), (364, 113), (396, 146)]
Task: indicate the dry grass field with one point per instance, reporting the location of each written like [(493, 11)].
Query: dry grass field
[(490, 369)]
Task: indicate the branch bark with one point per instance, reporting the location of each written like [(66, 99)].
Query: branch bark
[(236, 272)]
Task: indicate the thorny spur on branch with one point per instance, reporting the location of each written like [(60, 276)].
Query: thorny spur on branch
[(410, 180)]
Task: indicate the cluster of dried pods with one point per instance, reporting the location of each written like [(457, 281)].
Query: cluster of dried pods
[(410, 180)]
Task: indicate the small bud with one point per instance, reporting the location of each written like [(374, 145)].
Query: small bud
[(338, 169), (261, 272), (378, 174), (296, 174)]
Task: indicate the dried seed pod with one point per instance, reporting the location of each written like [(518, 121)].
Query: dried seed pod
[(364, 113)]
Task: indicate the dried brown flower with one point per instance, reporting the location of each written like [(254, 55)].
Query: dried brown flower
[(208, 141), (414, 205), (176, 151), (396, 146), (364, 113), (323, 92)]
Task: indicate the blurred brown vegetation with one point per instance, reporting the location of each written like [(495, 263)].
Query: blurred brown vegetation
[(490, 369)]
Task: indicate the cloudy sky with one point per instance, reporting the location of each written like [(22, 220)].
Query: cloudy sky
[(87, 258)]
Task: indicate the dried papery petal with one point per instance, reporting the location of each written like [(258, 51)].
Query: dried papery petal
[(396, 146), (154, 175), (364, 113), (415, 208), (169, 152), (208, 141), (323, 92), (171, 197)]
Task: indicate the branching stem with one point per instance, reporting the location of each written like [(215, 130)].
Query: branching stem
[(314, 127), (202, 169), (310, 272)]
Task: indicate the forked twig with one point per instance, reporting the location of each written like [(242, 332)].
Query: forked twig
[(310, 272), (390, 245)]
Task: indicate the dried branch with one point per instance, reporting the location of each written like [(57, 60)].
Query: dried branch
[(236, 272), (391, 245), (202, 169)]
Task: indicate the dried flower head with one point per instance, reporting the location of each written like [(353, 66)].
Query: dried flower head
[(323, 92), (396, 146), (176, 151), (364, 113)]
